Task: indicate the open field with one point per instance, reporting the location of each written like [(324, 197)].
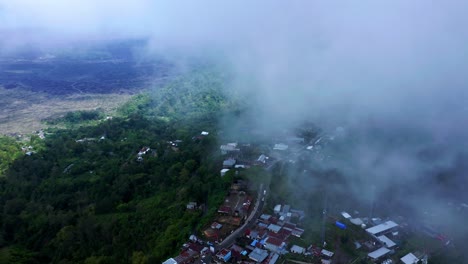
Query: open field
[(23, 111)]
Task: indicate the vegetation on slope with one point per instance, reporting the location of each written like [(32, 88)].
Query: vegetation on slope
[(84, 198)]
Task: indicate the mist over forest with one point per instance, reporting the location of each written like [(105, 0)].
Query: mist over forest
[(383, 85)]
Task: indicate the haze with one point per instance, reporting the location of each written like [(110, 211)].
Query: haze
[(395, 68)]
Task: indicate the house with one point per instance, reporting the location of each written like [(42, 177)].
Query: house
[(143, 151), (186, 256), (191, 206), (229, 163), (204, 133), (262, 159), (216, 225), (224, 254), (346, 215), (229, 148), (386, 241), (280, 147), (223, 172), (326, 253), (409, 258), (258, 255), (277, 209), (382, 228), (274, 228), (297, 249), (265, 217), (297, 232), (286, 209), (379, 253), (273, 258), (274, 244), (225, 210)]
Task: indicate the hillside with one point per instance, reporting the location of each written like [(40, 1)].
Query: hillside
[(87, 198)]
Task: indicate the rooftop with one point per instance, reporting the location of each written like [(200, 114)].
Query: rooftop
[(388, 242), (409, 259), (327, 253), (274, 228), (379, 253), (258, 255), (297, 249), (382, 227), (274, 241), (170, 261)]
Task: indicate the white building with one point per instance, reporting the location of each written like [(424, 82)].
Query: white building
[(381, 252), (410, 258), (223, 172), (384, 227), (387, 241), (297, 249)]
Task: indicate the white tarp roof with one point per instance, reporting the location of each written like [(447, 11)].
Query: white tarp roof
[(409, 259), (346, 215), (170, 261), (382, 227), (388, 242), (378, 253), (356, 221)]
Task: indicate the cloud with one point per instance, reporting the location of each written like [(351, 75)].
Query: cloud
[(396, 69)]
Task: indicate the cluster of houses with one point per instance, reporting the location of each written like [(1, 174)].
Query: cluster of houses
[(191, 251), (269, 238), (381, 245)]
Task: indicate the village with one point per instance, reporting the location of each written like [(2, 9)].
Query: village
[(247, 229)]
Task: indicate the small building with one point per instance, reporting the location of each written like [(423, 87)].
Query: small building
[(262, 159), (326, 253), (346, 215), (204, 133), (229, 148), (297, 232), (216, 225), (382, 228), (379, 253), (386, 241), (297, 249), (277, 209), (144, 151), (186, 256), (223, 172), (229, 163), (281, 147), (191, 206), (409, 258), (286, 209), (265, 217), (274, 244), (224, 254), (258, 255), (273, 258), (274, 228)]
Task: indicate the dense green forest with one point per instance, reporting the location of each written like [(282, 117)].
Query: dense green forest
[(84, 197)]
